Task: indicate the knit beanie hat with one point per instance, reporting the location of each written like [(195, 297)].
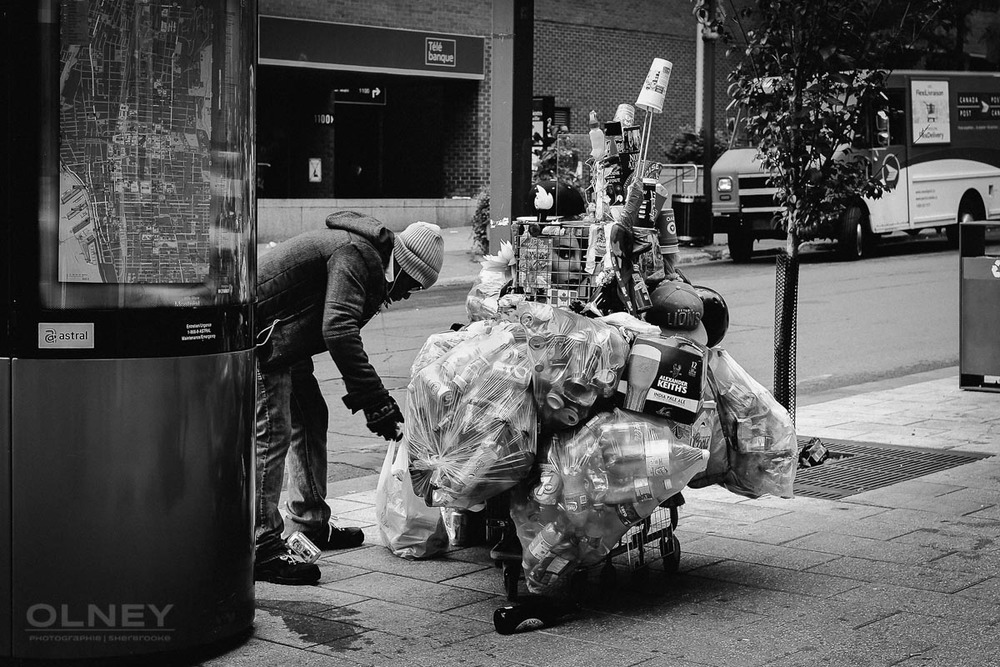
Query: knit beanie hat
[(419, 249)]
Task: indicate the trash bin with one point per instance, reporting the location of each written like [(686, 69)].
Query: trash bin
[(694, 219), (979, 310)]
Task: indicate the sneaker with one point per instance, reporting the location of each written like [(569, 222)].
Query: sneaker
[(285, 567), (337, 538)]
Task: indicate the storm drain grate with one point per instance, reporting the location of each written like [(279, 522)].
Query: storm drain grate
[(855, 467)]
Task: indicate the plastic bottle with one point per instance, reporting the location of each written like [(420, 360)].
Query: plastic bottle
[(649, 458), (575, 500), (546, 492), (633, 490), (597, 140)]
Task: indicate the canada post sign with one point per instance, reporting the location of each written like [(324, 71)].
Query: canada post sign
[(439, 51)]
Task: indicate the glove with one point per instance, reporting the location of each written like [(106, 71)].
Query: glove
[(385, 420)]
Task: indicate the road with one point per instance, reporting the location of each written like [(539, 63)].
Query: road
[(887, 316)]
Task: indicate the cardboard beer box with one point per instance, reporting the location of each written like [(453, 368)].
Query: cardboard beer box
[(664, 376)]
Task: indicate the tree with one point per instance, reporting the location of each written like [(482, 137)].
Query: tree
[(811, 74)]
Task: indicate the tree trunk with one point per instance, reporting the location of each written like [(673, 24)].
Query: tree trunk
[(786, 296)]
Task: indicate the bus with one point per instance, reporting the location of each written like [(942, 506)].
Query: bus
[(936, 145)]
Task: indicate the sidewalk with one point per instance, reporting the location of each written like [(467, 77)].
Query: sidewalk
[(904, 575)]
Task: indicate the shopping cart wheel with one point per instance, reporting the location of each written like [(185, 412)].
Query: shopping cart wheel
[(670, 550), (609, 575)]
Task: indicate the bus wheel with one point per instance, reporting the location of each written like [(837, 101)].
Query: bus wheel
[(853, 243), (740, 243)]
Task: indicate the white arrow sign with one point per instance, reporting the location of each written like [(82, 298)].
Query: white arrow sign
[(375, 92)]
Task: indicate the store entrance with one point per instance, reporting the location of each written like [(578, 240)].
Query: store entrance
[(357, 151), (388, 146)]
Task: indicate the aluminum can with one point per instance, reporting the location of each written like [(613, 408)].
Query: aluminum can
[(303, 547)]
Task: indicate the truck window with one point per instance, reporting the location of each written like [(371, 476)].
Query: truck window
[(896, 110)]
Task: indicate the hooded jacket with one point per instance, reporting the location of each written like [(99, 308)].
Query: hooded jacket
[(315, 292)]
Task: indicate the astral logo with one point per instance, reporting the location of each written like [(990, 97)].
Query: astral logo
[(65, 335)]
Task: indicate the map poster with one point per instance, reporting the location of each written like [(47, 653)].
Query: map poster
[(931, 117), (135, 125)]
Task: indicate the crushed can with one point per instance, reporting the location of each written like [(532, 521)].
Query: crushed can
[(303, 547)]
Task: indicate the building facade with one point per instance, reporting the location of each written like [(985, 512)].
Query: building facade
[(390, 101)]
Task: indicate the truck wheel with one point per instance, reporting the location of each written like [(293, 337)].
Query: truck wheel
[(740, 243), (853, 243), (969, 209)]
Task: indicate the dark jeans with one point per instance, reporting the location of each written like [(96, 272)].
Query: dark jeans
[(292, 418)]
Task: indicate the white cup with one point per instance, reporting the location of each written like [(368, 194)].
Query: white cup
[(654, 90)]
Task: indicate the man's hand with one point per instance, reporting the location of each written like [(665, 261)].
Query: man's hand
[(385, 420)]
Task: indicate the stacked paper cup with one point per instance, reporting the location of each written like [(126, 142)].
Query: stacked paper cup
[(654, 90)]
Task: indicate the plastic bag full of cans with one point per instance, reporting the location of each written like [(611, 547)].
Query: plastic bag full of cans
[(596, 482), (470, 419), (576, 362), (763, 448)]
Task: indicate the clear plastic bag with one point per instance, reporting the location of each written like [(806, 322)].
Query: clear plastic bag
[(482, 302), (408, 527), (439, 344), (470, 420), (576, 361), (763, 448), (595, 483)]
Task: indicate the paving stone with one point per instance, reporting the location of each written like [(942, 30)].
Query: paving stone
[(938, 632), (406, 621), (364, 516), (374, 648), (731, 511), (948, 656), (991, 512), (775, 578), (694, 528), (983, 562), (946, 538), (782, 606), (753, 645), (262, 653), (928, 603), (379, 559), (453, 655), (275, 595), (488, 579), (545, 648), (961, 501), (299, 630), (889, 524), (984, 590), (864, 547), (765, 554), (332, 569), (393, 588), (910, 576)]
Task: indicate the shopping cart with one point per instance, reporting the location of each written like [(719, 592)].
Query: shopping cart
[(551, 261), (650, 541)]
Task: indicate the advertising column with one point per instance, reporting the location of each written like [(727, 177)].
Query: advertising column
[(128, 373)]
